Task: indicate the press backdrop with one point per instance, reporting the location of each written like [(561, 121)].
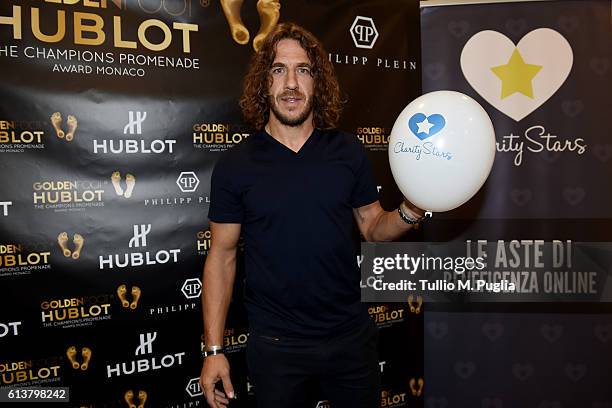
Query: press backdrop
[(112, 116)]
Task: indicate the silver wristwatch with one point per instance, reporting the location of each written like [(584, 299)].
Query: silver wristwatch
[(212, 351)]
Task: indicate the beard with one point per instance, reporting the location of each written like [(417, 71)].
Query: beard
[(286, 119)]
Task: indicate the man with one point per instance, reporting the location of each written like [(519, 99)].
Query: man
[(292, 189)]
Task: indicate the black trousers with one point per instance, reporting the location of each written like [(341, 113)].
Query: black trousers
[(289, 372)]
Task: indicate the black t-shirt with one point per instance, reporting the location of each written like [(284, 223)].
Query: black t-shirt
[(302, 277)]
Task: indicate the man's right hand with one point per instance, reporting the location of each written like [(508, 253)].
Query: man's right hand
[(216, 368)]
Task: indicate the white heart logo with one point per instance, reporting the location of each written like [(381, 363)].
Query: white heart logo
[(516, 80)]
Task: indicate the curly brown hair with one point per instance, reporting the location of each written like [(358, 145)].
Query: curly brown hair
[(327, 102)]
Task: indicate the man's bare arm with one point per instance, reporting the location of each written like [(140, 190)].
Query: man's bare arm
[(218, 280), (376, 224)]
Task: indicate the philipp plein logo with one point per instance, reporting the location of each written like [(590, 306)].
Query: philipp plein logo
[(364, 32), (188, 181)]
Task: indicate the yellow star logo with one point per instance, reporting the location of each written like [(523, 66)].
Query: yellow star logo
[(516, 75)]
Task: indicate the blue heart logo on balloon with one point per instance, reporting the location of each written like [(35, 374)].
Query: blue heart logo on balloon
[(426, 126)]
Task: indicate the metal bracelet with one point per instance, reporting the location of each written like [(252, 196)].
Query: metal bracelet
[(212, 351), (406, 218)]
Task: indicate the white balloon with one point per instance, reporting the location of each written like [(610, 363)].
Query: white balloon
[(441, 150)]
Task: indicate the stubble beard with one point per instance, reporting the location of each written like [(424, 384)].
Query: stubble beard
[(287, 120)]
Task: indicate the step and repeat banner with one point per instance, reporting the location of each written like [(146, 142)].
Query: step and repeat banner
[(112, 116), (542, 71)]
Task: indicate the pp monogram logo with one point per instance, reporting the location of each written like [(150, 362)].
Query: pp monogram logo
[(135, 123), (188, 182), (364, 32), (146, 343), (140, 235), (192, 288), (193, 387)]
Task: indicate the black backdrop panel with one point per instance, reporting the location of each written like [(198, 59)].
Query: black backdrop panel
[(112, 116)]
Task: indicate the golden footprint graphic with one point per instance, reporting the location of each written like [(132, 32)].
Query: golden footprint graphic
[(71, 353), (417, 310), (78, 243), (116, 182), (142, 397), (419, 302), (231, 9), (121, 291), (269, 13), (130, 181), (56, 121), (72, 125), (416, 391), (86, 353), (129, 398), (136, 292), (62, 240), (78, 240), (410, 305)]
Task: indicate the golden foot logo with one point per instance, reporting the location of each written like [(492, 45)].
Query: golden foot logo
[(85, 353), (129, 398), (77, 240), (130, 182), (517, 80), (269, 12), (121, 293), (71, 122), (416, 386), (419, 302)]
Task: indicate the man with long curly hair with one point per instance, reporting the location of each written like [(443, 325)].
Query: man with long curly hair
[(292, 189)]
